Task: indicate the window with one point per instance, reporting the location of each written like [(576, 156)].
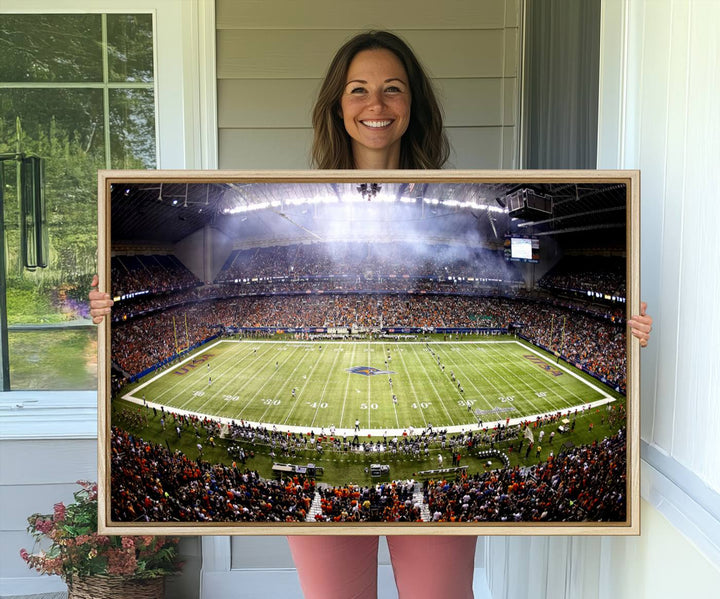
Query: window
[(77, 90)]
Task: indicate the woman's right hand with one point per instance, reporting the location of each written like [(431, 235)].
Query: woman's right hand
[(100, 303)]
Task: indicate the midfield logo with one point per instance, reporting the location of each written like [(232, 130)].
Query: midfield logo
[(368, 371)]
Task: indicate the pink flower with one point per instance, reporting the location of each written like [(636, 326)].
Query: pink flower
[(53, 565), (128, 543), (25, 555), (59, 512), (121, 562), (43, 526)]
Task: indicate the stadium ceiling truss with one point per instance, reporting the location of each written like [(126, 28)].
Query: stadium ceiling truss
[(291, 212)]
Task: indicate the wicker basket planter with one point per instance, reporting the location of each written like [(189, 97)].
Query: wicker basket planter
[(116, 587)]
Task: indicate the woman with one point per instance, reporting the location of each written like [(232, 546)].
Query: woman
[(377, 110)]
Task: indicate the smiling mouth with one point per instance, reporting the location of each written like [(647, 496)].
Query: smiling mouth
[(376, 124)]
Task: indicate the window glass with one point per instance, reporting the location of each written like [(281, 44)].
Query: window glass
[(130, 47), (37, 48), (56, 101), (40, 358), (132, 128)]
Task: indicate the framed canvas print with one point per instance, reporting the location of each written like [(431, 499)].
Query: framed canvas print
[(376, 352)]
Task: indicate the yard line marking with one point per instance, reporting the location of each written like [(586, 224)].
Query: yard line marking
[(446, 361), (217, 394), (554, 387), (437, 395), (347, 385), (557, 384), (412, 386), (247, 404), (185, 384), (225, 359), (464, 357), (369, 396), (292, 374), (327, 380), (392, 391), (570, 372)]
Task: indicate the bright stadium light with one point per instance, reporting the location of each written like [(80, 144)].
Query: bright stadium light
[(383, 197)]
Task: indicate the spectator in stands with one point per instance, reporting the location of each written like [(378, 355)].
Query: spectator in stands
[(377, 110)]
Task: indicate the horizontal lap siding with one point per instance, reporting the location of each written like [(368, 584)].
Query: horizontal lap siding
[(306, 54), (350, 14), (35, 476), (271, 58)]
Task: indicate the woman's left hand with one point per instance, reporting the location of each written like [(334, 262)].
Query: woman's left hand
[(641, 325)]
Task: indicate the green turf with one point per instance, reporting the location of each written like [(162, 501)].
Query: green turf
[(253, 381), (342, 468)]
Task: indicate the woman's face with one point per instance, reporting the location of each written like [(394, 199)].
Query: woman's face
[(375, 107)]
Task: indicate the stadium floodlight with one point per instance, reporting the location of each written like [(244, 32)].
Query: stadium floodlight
[(253, 207), (380, 196)]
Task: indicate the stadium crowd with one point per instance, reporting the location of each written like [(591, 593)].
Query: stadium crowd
[(596, 344), (586, 483), (599, 274), (367, 259), (152, 484), (383, 502), (154, 273), (413, 443)]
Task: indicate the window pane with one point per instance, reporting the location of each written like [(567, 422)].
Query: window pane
[(132, 128), (52, 343), (130, 47), (37, 48), (65, 128), (57, 359), (50, 118)]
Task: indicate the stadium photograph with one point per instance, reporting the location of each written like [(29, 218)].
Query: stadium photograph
[(383, 351)]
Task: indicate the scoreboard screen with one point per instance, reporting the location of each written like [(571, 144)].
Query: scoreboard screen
[(522, 249)]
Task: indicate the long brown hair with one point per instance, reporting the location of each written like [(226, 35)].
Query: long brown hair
[(424, 144)]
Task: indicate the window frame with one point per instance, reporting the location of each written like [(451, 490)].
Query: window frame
[(186, 138)]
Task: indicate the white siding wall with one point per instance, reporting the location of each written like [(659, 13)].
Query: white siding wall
[(36, 474), (660, 80), (271, 57)]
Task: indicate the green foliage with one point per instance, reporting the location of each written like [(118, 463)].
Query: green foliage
[(66, 127), (26, 303), (77, 550)]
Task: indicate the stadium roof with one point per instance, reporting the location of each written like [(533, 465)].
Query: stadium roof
[(289, 212)]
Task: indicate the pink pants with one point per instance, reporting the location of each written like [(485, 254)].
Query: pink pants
[(425, 567)]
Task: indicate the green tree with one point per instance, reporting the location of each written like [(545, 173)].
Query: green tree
[(65, 125)]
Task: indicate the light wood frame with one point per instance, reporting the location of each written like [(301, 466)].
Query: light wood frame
[(629, 179)]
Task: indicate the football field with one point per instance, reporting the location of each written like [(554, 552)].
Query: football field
[(385, 385)]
